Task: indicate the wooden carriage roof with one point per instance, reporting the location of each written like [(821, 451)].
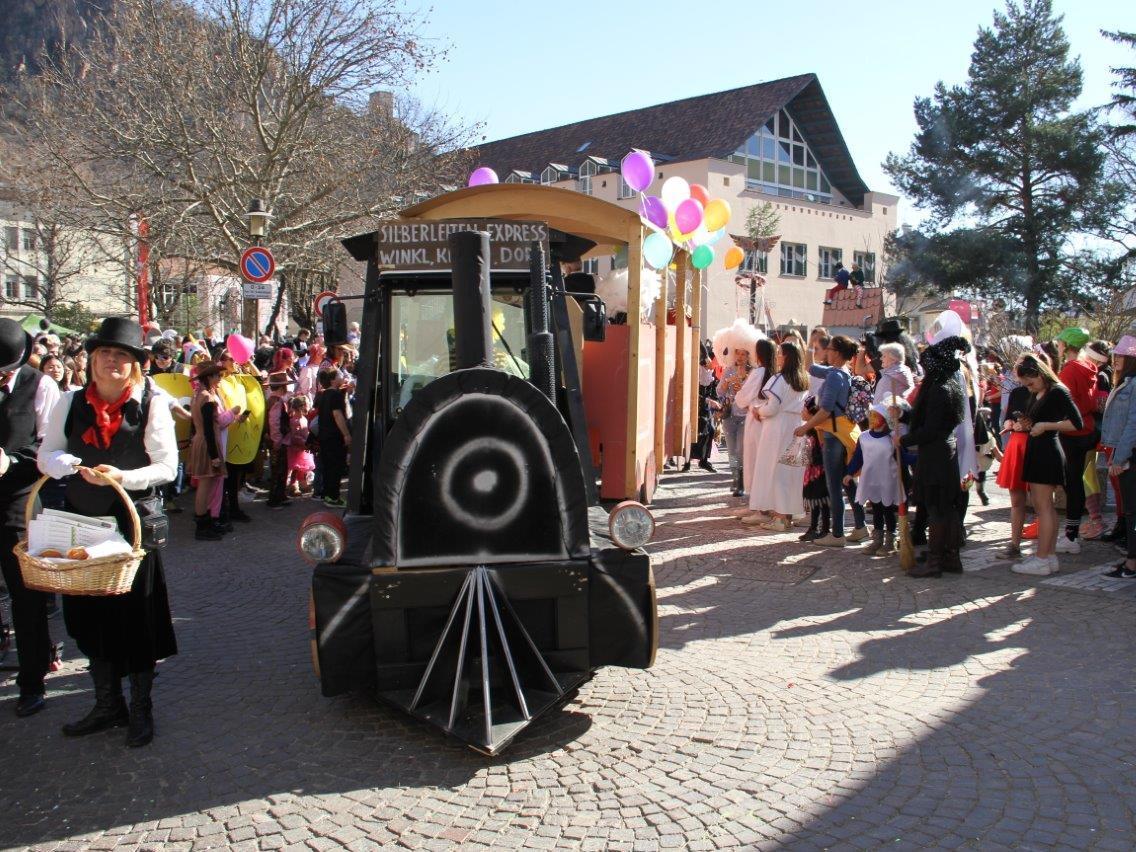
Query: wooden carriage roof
[(565, 210)]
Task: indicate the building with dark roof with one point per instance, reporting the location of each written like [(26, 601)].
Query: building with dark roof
[(775, 143)]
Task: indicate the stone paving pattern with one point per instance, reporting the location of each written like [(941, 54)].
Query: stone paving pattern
[(801, 698)]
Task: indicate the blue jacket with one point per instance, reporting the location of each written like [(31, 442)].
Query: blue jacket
[(833, 394), (1118, 426)]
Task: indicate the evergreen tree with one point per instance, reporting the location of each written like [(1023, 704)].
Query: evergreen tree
[(1004, 160)]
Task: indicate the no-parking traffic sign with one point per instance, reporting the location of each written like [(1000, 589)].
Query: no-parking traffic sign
[(257, 264), (321, 301)]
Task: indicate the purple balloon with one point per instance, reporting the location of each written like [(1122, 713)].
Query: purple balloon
[(688, 216), (482, 176), (654, 211), (638, 169)]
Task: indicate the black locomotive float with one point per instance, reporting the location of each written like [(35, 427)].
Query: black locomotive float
[(474, 580)]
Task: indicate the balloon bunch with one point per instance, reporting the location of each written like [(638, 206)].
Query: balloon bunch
[(682, 214)]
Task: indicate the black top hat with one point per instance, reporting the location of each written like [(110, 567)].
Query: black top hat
[(119, 333), (15, 345), (889, 329)]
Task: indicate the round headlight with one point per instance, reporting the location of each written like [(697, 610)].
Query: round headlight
[(631, 525), (322, 537)]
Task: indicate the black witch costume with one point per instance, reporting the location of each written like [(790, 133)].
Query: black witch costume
[(937, 413)]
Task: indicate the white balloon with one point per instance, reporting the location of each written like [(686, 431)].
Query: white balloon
[(674, 191)]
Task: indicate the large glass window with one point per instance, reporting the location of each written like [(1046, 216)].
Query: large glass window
[(12, 288), (867, 262), (778, 162), (422, 332), (826, 261), (31, 287), (794, 259)]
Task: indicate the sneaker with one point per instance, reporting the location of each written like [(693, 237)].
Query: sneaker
[(776, 525), (339, 503), (858, 534), (1068, 545), (1120, 572), (1010, 551), (829, 540), (1036, 566), (1091, 530)]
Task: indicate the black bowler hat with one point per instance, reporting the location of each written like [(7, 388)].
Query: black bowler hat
[(15, 345), (119, 333)]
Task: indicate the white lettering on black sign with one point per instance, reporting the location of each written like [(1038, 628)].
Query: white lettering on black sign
[(425, 245)]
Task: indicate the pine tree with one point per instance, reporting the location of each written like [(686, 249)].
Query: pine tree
[(1005, 157)]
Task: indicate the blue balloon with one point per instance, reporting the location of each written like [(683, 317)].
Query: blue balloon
[(657, 250), (715, 236)]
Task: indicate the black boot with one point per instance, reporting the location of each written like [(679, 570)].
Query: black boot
[(811, 532), (205, 529), (222, 523), (738, 491), (1118, 532), (141, 730), (110, 707)]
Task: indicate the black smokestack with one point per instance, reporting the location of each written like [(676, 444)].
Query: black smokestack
[(469, 252)]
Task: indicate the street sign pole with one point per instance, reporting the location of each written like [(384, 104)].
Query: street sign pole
[(250, 312)]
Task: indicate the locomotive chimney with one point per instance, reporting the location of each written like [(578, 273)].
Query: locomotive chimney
[(469, 253)]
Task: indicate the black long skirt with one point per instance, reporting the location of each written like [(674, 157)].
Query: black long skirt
[(131, 631)]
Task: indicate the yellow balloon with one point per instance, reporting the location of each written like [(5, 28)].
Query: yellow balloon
[(734, 257), (716, 215)]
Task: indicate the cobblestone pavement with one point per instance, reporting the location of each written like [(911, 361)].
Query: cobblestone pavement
[(801, 698)]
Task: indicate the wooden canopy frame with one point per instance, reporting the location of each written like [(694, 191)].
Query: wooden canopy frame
[(605, 224)]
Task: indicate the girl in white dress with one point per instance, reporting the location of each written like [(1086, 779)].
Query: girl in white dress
[(777, 487), (748, 397)]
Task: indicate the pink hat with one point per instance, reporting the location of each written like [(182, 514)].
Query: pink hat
[(1126, 346)]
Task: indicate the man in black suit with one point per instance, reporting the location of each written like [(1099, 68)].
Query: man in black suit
[(27, 397)]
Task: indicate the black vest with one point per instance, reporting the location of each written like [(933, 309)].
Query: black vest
[(127, 451), (17, 412), (18, 436)]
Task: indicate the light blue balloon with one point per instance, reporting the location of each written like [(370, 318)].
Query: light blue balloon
[(657, 250), (715, 236)]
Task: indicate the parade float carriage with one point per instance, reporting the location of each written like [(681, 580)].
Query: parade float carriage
[(475, 580)]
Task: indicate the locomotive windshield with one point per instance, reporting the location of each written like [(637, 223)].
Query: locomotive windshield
[(422, 323)]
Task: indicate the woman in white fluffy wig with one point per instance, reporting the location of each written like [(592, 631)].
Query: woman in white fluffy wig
[(734, 347)]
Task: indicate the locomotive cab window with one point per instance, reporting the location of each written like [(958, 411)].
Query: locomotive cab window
[(422, 324)]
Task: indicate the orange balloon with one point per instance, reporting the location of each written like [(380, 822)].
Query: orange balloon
[(734, 257), (700, 194)]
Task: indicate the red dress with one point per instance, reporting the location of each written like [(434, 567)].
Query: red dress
[(1013, 461)]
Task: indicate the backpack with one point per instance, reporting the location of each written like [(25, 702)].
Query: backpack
[(859, 399)]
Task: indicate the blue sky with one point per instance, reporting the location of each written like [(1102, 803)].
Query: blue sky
[(590, 58)]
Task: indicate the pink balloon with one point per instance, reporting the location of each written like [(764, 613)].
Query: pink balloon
[(240, 347), (482, 176), (688, 215)]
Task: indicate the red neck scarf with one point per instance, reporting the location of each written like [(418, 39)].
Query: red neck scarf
[(108, 417)]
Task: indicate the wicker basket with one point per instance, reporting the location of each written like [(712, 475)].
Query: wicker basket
[(109, 575)]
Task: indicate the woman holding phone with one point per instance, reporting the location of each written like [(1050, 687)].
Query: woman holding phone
[(1015, 434)]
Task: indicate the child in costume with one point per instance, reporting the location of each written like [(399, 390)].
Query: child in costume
[(301, 463), (876, 470)]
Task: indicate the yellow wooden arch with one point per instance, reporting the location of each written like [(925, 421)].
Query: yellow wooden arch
[(563, 209)]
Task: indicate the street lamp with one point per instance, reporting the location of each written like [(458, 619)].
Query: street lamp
[(258, 219)]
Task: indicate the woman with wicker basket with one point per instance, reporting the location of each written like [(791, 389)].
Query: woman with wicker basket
[(110, 432)]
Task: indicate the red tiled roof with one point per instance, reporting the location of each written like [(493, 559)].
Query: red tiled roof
[(843, 313)]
